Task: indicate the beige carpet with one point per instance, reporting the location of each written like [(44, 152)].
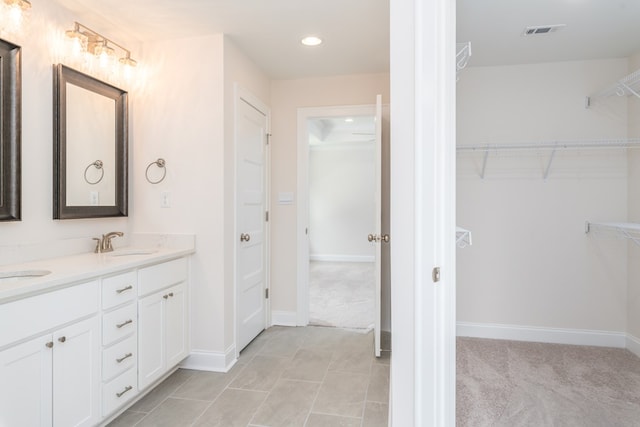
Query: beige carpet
[(341, 294), (511, 383)]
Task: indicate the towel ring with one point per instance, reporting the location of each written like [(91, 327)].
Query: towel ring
[(162, 165), (98, 165)]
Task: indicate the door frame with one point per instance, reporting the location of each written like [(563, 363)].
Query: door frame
[(423, 212), (302, 312), (241, 94)]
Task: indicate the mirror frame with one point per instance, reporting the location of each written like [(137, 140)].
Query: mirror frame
[(11, 135), (61, 76)]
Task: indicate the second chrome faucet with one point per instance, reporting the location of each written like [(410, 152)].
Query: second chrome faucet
[(103, 244)]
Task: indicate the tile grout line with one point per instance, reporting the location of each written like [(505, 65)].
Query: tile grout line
[(315, 399)]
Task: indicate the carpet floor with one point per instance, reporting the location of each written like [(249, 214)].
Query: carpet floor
[(341, 294), (513, 383)]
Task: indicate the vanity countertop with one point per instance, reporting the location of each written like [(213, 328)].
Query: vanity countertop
[(73, 269)]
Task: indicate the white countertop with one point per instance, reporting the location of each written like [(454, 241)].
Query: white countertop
[(69, 270)]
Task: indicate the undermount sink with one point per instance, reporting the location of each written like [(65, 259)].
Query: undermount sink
[(130, 252), (14, 276)]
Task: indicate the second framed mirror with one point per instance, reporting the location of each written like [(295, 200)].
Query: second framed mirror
[(90, 146)]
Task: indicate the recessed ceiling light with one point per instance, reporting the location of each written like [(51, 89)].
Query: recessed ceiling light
[(311, 41)]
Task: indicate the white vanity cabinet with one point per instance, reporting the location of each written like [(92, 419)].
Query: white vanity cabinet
[(51, 378), (163, 339), (119, 340)]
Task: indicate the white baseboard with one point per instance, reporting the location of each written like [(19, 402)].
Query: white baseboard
[(342, 258), (284, 318), (548, 335), (213, 361), (633, 344)]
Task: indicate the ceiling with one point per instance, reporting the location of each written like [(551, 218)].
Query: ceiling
[(594, 29), (356, 32)]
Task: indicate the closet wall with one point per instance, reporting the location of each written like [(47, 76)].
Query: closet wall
[(532, 269)]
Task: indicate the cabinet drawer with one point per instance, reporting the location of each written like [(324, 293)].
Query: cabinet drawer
[(156, 277), (119, 357), (119, 391), (119, 323), (40, 313), (119, 289)]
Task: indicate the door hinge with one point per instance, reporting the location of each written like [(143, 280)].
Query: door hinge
[(266, 293), (435, 274), (268, 138), (266, 216)]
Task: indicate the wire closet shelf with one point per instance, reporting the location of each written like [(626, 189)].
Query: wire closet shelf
[(463, 237), (552, 146), (624, 230), (626, 86)]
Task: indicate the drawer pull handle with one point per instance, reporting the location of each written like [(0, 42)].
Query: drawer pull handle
[(127, 288), (126, 389), (126, 356), (49, 344), (125, 323), (62, 339)]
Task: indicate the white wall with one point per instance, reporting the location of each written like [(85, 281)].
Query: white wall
[(633, 297), (531, 263), (341, 202), (286, 97), (19, 241)]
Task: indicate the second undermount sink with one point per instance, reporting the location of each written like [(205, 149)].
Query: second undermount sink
[(15, 276), (131, 252)]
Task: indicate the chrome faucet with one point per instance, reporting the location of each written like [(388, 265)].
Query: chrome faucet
[(104, 244)]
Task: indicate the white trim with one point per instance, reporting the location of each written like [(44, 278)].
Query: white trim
[(284, 318), (303, 196), (342, 258), (213, 361), (633, 344), (546, 335)]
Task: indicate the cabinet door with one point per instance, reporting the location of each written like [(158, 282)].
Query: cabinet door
[(151, 361), (176, 325), (76, 374), (25, 383)]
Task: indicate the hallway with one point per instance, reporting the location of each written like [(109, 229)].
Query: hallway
[(311, 376)]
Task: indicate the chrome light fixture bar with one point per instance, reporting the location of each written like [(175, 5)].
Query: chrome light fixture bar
[(95, 43)]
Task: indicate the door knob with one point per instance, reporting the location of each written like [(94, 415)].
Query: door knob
[(371, 237), (245, 237), (385, 238)]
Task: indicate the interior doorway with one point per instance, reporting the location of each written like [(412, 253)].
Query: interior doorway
[(341, 201)]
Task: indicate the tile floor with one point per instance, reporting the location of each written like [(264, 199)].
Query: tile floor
[(312, 376)]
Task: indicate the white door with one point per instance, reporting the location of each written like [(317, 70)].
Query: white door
[(251, 141), (379, 237), (76, 374), (25, 383)]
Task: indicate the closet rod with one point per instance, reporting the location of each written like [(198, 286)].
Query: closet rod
[(552, 145)]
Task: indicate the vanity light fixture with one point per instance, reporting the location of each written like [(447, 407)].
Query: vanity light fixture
[(15, 11), (22, 4), (92, 42), (311, 41)]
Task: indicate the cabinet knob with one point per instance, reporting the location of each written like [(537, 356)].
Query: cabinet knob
[(165, 296), (49, 344), (170, 294), (62, 339)]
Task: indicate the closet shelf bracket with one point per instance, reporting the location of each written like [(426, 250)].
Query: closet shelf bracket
[(624, 230), (463, 53), (626, 86), (463, 237)]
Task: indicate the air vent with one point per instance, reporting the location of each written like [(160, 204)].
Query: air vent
[(542, 29)]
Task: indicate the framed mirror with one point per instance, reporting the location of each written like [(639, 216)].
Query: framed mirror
[(90, 146), (10, 131)]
